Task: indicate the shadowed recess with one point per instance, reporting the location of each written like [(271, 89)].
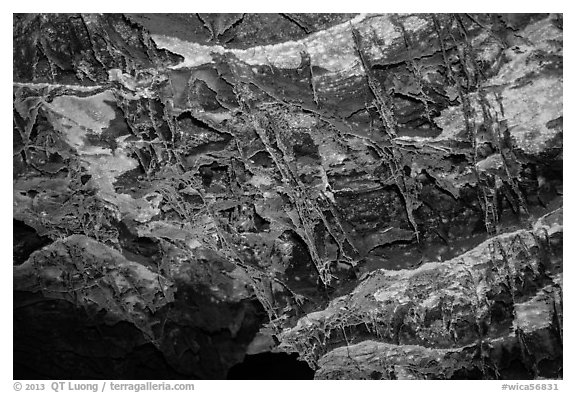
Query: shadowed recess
[(270, 365)]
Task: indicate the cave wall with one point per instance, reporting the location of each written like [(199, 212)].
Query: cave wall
[(381, 194)]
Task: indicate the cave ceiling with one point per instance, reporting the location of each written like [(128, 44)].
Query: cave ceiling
[(379, 193)]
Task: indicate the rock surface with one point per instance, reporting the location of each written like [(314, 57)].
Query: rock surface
[(381, 194)]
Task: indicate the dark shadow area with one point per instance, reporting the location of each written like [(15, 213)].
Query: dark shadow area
[(270, 365), (26, 241), (53, 339)]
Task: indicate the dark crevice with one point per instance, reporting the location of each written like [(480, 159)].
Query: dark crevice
[(271, 366), (26, 241)]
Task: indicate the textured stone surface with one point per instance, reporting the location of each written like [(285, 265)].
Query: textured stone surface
[(339, 185), (504, 290)]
